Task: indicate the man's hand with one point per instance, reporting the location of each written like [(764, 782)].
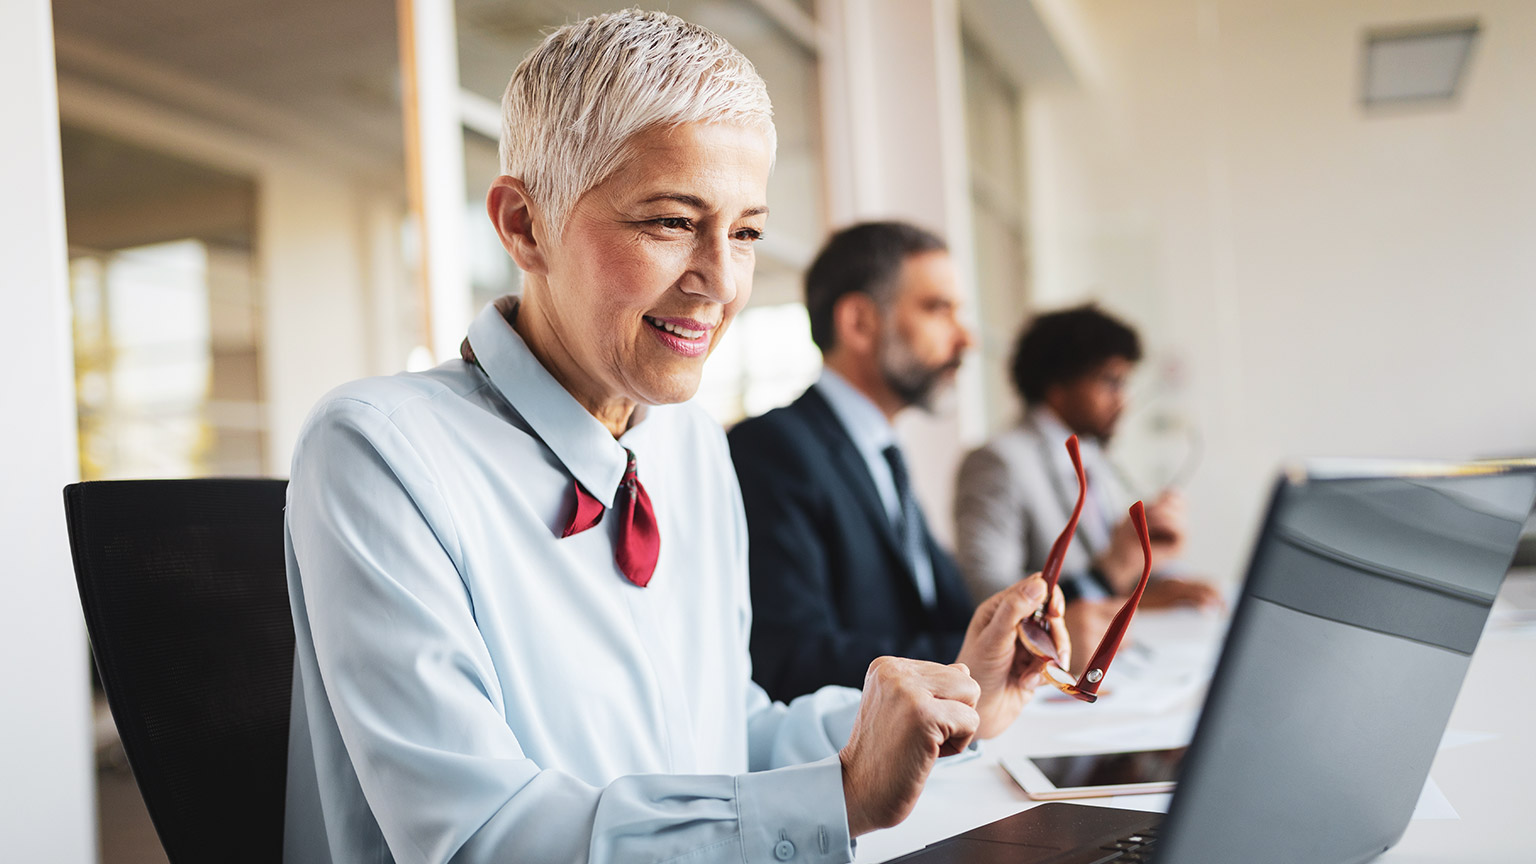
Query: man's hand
[(1121, 563), (1164, 593), (912, 713), (1005, 670)]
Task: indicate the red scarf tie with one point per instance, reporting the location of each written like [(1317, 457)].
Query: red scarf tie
[(639, 538)]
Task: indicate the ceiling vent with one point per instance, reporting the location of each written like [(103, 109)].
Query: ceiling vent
[(1421, 64)]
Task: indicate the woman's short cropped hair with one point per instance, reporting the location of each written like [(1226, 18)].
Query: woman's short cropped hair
[(577, 99)]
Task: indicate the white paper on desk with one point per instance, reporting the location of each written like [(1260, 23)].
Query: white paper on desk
[(1176, 730), (1507, 622), (1514, 612), (1166, 732), (1432, 805), (1132, 686), (1164, 665), (1157, 733), (1454, 738)]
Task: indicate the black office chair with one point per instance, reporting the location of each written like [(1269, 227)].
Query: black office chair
[(186, 603)]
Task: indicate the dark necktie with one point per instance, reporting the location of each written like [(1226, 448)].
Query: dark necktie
[(639, 538), (909, 525)]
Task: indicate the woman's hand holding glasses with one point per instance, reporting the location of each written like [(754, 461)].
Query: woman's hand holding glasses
[(1008, 676), (1039, 633), (1031, 612)]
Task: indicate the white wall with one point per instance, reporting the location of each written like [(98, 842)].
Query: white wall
[(1329, 281), (47, 801), (895, 149), (313, 258)]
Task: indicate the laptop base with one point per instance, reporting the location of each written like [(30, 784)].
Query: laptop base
[(1055, 833)]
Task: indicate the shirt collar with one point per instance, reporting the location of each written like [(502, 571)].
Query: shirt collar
[(860, 416), (1050, 425), (580, 441), (1055, 433)]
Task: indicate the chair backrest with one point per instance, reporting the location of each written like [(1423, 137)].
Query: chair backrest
[(186, 601)]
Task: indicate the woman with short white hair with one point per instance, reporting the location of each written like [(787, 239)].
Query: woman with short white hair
[(519, 579)]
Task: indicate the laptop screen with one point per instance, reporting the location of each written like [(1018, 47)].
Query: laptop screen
[(1367, 593), (1368, 589)]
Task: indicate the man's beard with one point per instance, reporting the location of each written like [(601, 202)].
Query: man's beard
[(914, 382)]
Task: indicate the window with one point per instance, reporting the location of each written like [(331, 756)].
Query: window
[(994, 139), (167, 319)]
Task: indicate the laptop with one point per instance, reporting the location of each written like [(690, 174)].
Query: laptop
[(1367, 592)]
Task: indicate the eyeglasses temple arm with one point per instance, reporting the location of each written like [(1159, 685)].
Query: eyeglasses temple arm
[(1098, 664), (1053, 561)]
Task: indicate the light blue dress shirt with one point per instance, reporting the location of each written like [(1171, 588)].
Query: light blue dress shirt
[(471, 687), (871, 432)]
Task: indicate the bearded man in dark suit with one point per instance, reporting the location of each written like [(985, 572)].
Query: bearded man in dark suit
[(843, 567)]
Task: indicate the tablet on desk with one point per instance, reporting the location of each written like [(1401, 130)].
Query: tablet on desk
[(1095, 775)]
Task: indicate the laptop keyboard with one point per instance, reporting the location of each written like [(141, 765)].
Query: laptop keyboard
[(1130, 849)]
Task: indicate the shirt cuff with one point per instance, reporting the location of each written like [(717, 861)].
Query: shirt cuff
[(794, 814)]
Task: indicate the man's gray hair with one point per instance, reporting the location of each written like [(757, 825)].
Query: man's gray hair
[(577, 99)]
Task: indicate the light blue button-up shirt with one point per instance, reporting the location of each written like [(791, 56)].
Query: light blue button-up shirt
[(469, 686), (871, 432)]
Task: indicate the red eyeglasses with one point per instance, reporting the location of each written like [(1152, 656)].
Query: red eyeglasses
[(1035, 631)]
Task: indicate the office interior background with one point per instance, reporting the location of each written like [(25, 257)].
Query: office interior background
[(1319, 214)]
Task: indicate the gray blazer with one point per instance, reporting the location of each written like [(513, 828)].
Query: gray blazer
[(1015, 494)]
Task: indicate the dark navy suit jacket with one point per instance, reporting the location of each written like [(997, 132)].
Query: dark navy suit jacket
[(831, 589)]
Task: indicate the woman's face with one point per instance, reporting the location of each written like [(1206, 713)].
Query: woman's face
[(655, 262)]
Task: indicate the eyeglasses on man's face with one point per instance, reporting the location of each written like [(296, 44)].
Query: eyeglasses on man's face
[(1035, 631)]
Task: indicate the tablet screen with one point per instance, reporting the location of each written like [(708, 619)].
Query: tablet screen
[(1111, 769)]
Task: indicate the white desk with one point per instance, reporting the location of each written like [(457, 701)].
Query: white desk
[(1489, 782)]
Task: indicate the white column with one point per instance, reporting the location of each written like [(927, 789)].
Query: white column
[(434, 131), (315, 317), (895, 149), (47, 788), (387, 295)]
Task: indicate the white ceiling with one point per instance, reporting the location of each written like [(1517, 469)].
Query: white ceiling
[(117, 195), (330, 63), (323, 75)]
